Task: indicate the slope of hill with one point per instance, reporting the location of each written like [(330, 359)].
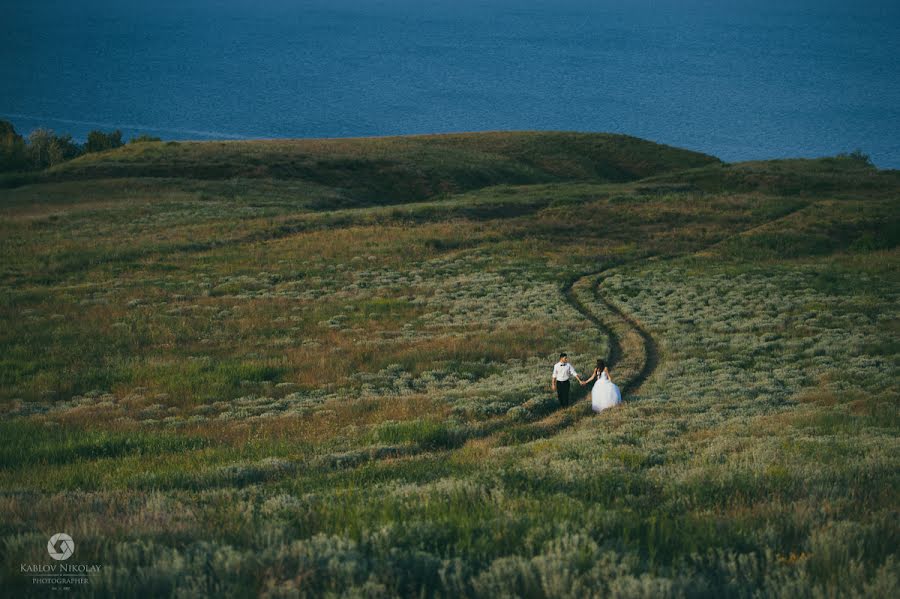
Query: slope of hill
[(839, 176), (268, 385), (392, 169)]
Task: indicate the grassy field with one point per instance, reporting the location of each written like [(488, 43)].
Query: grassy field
[(321, 368)]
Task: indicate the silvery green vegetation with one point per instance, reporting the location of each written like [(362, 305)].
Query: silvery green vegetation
[(306, 369)]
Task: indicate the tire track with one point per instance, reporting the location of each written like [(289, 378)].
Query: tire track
[(562, 418), (651, 351), (565, 417), (649, 359)]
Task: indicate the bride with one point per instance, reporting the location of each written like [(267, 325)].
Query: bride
[(604, 393)]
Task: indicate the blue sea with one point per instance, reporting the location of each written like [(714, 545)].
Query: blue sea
[(738, 79)]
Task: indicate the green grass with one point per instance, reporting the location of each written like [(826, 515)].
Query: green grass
[(321, 368), (388, 170)]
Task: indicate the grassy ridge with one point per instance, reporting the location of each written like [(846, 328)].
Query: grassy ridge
[(394, 169), (839, 176), (217, 386)]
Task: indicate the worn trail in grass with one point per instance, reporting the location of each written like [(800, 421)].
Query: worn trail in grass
[(633, 354)]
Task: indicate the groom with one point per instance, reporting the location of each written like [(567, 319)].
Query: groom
[(562, 372)]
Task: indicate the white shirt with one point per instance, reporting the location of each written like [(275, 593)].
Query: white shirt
[(562, 372)]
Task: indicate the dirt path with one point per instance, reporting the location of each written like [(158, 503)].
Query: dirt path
[(633, 354), (651, 351), (615, 353), (630, 346)]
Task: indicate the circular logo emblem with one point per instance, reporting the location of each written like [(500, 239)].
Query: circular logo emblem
[(60, 546)]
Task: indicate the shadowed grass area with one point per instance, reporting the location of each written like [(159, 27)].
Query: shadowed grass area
[(29, 444), (321, 368)]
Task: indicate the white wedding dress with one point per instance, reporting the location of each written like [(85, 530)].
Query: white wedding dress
[(605, 394)]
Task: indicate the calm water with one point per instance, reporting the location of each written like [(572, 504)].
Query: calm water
[(737, 79)]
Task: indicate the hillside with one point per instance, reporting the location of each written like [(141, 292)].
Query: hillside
[(321, 368), (391, 169)]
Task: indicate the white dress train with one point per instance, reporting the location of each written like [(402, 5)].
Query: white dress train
[(605, 394)]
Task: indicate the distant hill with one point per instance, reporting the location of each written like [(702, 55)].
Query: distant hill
[(386, 170), (842, 176)]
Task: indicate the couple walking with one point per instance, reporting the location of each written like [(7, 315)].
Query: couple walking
[(604, 393)]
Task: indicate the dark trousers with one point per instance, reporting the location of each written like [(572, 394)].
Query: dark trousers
[(562, 392)]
